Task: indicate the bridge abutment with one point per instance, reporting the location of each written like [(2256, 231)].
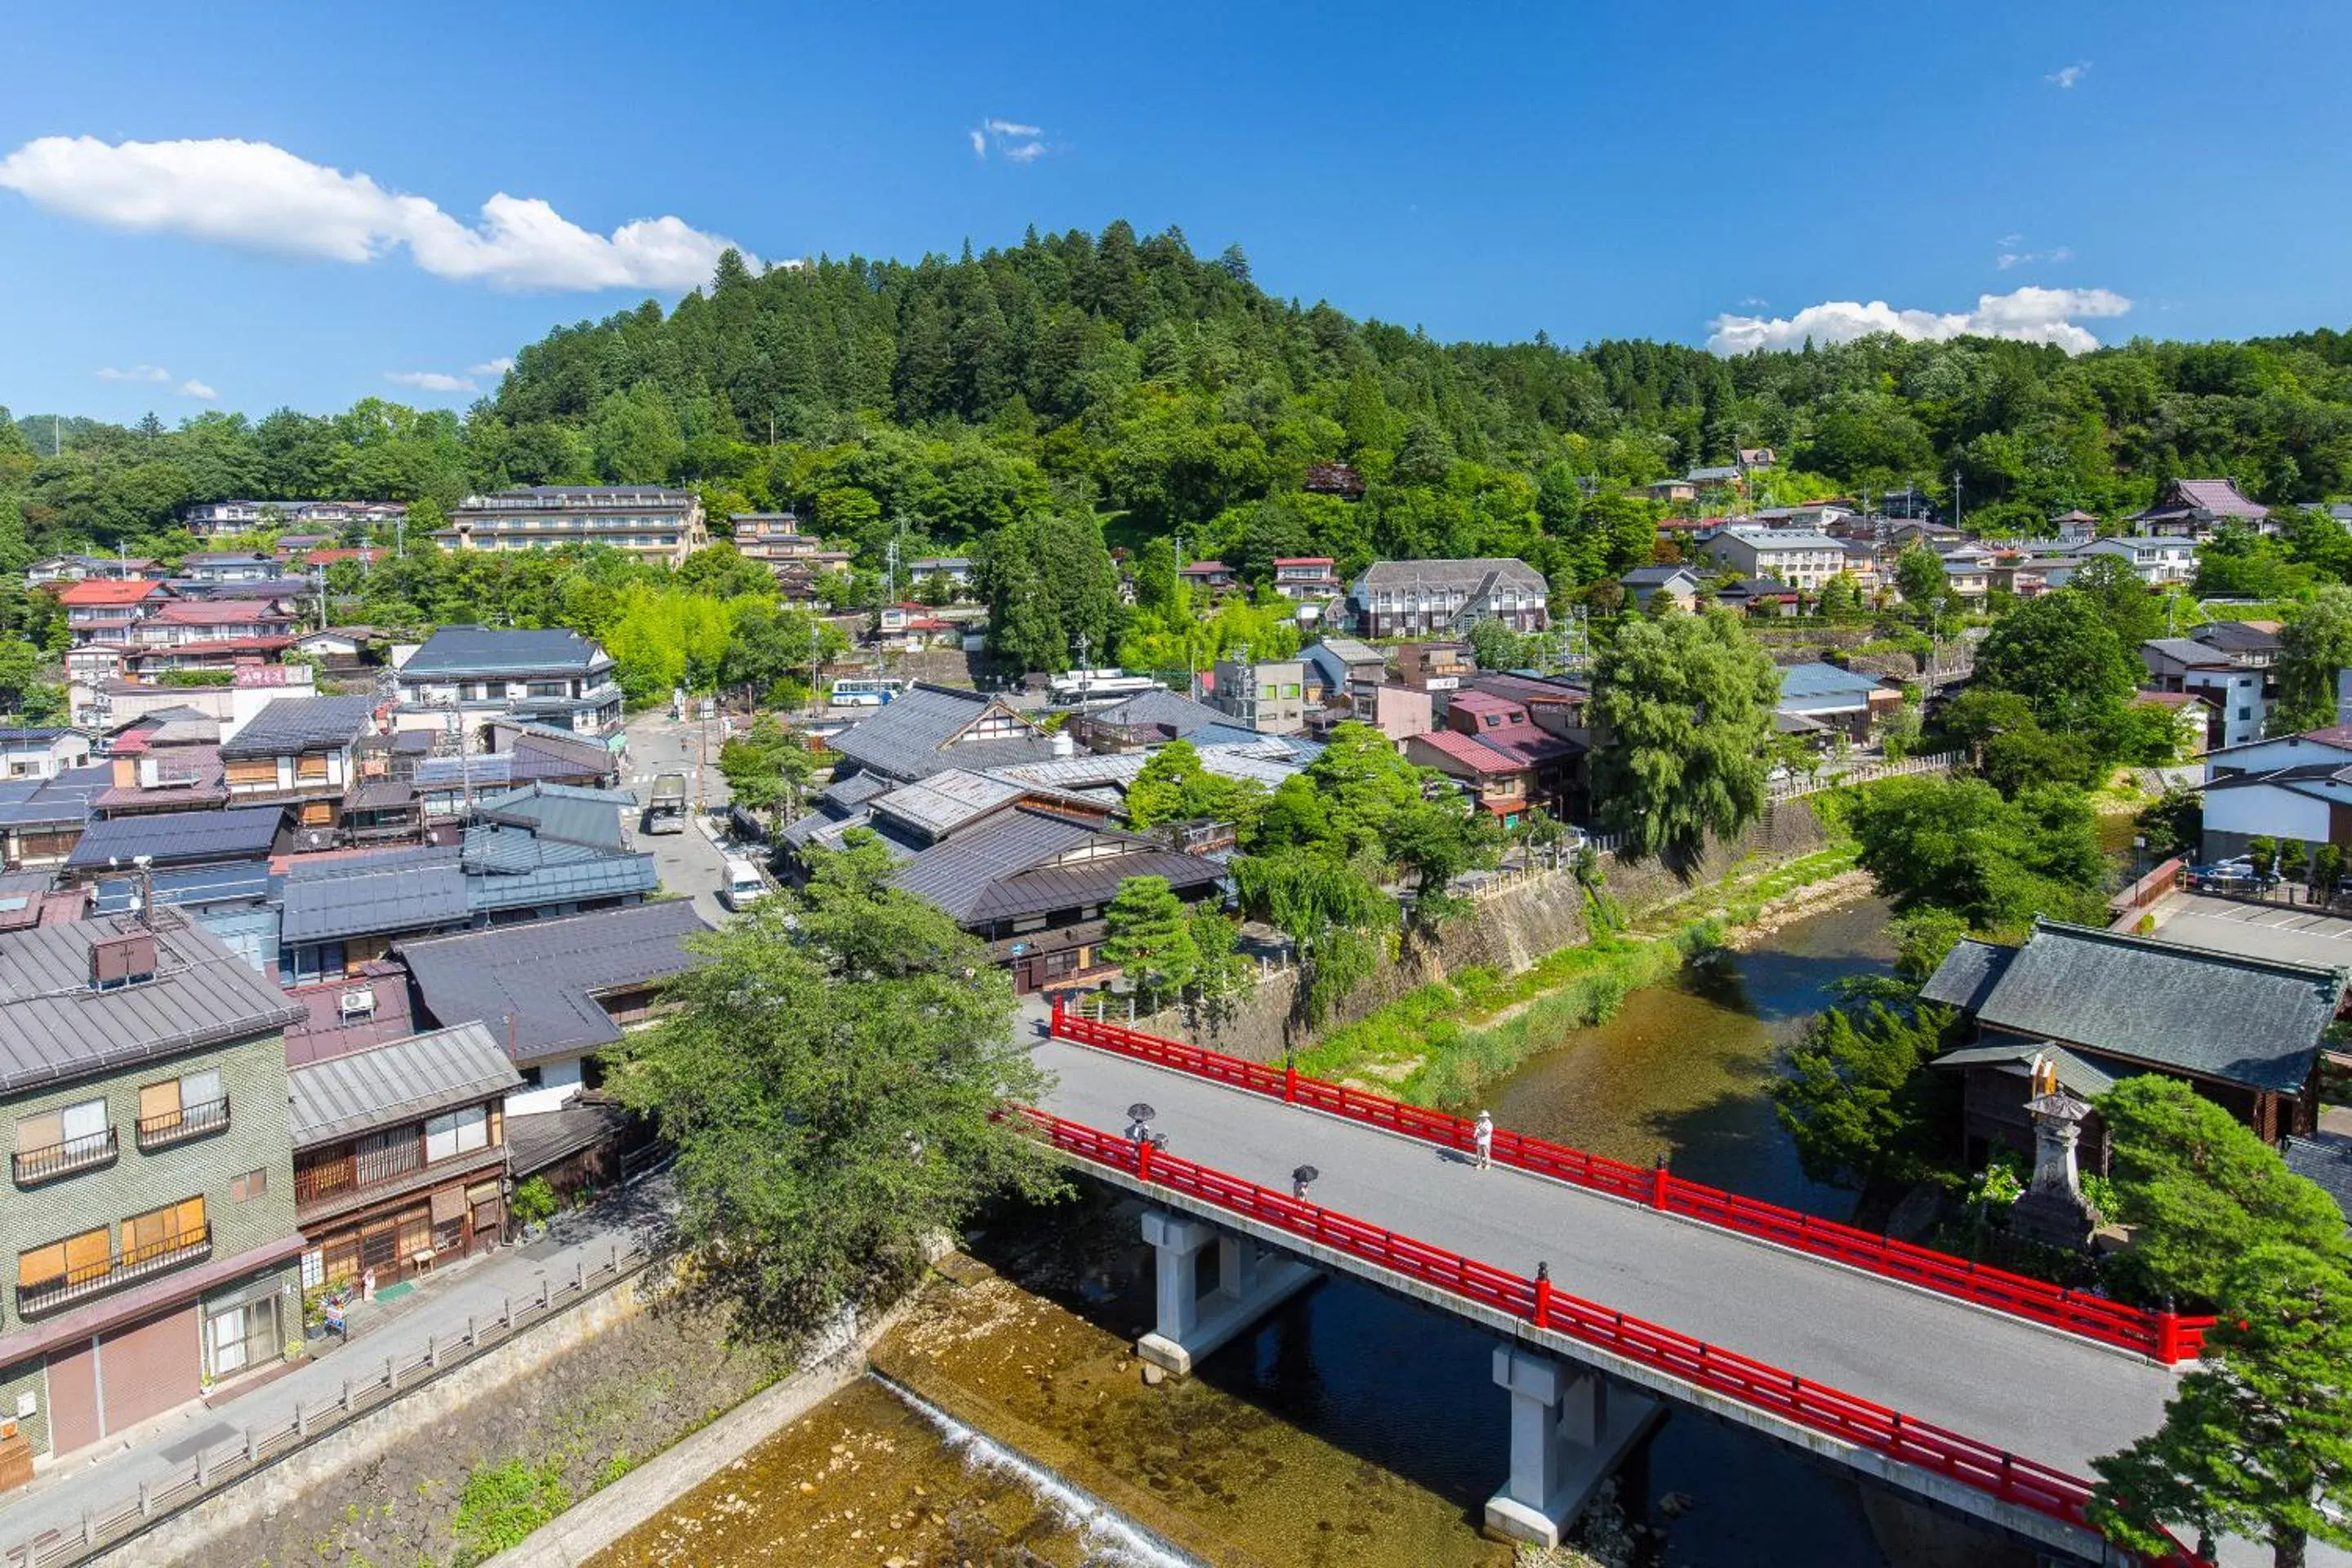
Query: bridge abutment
[(1569, 1431), (1251, 1282)]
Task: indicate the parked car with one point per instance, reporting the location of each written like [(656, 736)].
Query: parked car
[(745, 886)]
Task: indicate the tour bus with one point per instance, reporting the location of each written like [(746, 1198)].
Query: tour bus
[(1097, 688), (864, 690)]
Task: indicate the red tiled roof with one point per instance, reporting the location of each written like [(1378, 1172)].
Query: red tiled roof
[(1484, 702), (1474, 754), (1203, 568), (219, 612), (104, 591), (1303, 560)]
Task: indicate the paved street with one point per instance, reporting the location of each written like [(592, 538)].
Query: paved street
[(2037, 1392), (688, 862), (100, 1478)]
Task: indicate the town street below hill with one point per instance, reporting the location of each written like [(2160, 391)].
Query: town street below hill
[(691, 862)]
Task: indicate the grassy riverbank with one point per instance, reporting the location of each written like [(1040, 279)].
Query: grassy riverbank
[(1438, 1044)]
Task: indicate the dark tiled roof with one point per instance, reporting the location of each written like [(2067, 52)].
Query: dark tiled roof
[(2326, 1159), (957, 875), (1968, 974), (293, 724), (1464, 575), (541, 975), (61, 800), (381, 893), (178, 837), (2238, 1020), (1170, 712), (561, 811), (1051, 888), (398, 1081), (486, 650), (54, 1027), (910, 738)]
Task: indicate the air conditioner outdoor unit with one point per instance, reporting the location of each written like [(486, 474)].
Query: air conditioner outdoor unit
[(358, 1003)]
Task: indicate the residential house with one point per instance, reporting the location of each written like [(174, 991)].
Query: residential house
[(41, 752), (2158, 560), (1146, 720), (2197, 509), (1755, 460), (1644, 584), (643, 521), (1265, 695), (2013, 571), (174, 840), (1400, 713), (342, 649), (225, 568), (143, 1070), (908, 625), (2288, 788), (775, 538), (113, 703), (168, 761), (928, 729), (41, 820), (1756, 596), (2231, 692), (77, 568), (1026, 869), (1307, 577), (1482, 730), (1671, 491), (465, 676), (1826, 699), (213, 520), (1804, 559), (953, 571), (400, 1155), (1408, 598), (2243, 1032), (538, 754), (1211, 576), (300, 751), (1968, 575), (1723, 477), (1335, 664), (1432, 667), (103, 610), (2076, 527), (2250, 645), (555, 994), (1334, 479)]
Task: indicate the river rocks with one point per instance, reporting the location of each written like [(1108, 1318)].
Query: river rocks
[(1153, 1376)]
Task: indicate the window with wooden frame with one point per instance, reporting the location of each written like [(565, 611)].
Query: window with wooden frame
[(310, 767), (263, 771), (81, 1256), (166, 1229), (318, 813), (181, 1107)]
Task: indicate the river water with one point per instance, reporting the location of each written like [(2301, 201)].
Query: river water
[(1350, 1428)]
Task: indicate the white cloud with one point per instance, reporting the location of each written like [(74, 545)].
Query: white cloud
[(146, 373), (2029, 315), (2008, 258), (2065, 77), (497, 366), (197, 389), (1021, 143), (430, 381), (255, 196)]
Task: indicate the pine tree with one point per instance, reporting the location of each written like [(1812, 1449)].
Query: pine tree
[(1147, 935)]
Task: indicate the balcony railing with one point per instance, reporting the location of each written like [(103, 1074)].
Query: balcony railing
[(87, 1152), (123, 1268), (169, 1127)]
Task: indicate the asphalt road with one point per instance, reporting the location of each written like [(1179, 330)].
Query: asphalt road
[(2039, 1394), (688, 862)]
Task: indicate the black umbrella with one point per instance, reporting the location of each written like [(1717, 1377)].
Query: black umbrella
[(1139, 1112), (1305, 1173)]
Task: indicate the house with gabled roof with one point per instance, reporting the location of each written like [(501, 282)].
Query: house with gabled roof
[(2197, 508), (929, 727)]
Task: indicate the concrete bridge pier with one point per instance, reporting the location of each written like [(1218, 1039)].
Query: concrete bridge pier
[(1251, 1282), (1569, 1431)]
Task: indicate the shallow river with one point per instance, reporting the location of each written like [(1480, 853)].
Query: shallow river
[(1351, 1428)]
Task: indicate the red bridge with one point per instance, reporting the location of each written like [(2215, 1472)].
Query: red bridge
[(1980, 1390)]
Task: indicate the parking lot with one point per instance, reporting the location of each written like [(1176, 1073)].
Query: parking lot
[(2280, 932)]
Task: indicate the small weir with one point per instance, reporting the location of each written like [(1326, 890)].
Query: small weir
[(1111, 1539)]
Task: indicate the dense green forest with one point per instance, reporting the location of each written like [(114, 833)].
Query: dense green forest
[(990, 401)]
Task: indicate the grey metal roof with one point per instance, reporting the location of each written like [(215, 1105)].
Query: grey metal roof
[(397, 1081), (541, 975), (511, 867), (60, 800), (2184, 650), (387, 892), (172, 837), (293, 724), (2240, 1020), (944, 802), (847, 795), (1351, 650), (561, 811), (487, 650), (1464, 575), (2238, 635), (234, 883), (1968, 972), (1050, 888), (52, 1026), (2075, 1075), (491, 772), (957, 874), (1171, 711), (1813, 688), (910, 737)]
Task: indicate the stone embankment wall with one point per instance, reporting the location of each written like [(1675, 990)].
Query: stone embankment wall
[(1508, 931), (592, 1390)]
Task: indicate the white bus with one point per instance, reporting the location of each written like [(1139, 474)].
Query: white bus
[(864, 690), (1097, 688)]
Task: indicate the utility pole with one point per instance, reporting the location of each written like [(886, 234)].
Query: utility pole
[(1956, 498)]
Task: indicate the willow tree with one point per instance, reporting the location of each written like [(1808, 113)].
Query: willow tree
[(1682, 719)]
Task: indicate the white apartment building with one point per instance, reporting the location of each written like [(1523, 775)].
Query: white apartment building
[(647, 521), (2157, 561), (1804, 559)]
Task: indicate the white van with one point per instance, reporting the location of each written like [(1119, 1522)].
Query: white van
[(745, 886)]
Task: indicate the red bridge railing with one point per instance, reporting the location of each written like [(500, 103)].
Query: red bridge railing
[(1752, 1383), (2165, 1337)]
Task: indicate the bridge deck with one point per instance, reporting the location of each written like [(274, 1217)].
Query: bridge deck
[(2044, 1395)]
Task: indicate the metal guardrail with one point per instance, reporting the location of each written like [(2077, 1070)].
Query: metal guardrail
[(1758, 1384), (169, 1127), (112, 1273), (103, 1530), (2164, 1337), (29, 1167), (1866, 773)]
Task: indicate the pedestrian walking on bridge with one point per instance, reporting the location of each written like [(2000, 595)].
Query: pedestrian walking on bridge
[(1482, 1139)]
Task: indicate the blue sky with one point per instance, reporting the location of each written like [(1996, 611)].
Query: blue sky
[(222, 201)]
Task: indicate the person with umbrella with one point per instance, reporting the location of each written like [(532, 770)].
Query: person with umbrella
[(1138, 1120), (1301, 1179)]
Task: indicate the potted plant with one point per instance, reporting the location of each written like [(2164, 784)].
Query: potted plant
[(534, 1205)]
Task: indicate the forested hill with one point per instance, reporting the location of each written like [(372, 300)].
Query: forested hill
[(1167, 394)]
